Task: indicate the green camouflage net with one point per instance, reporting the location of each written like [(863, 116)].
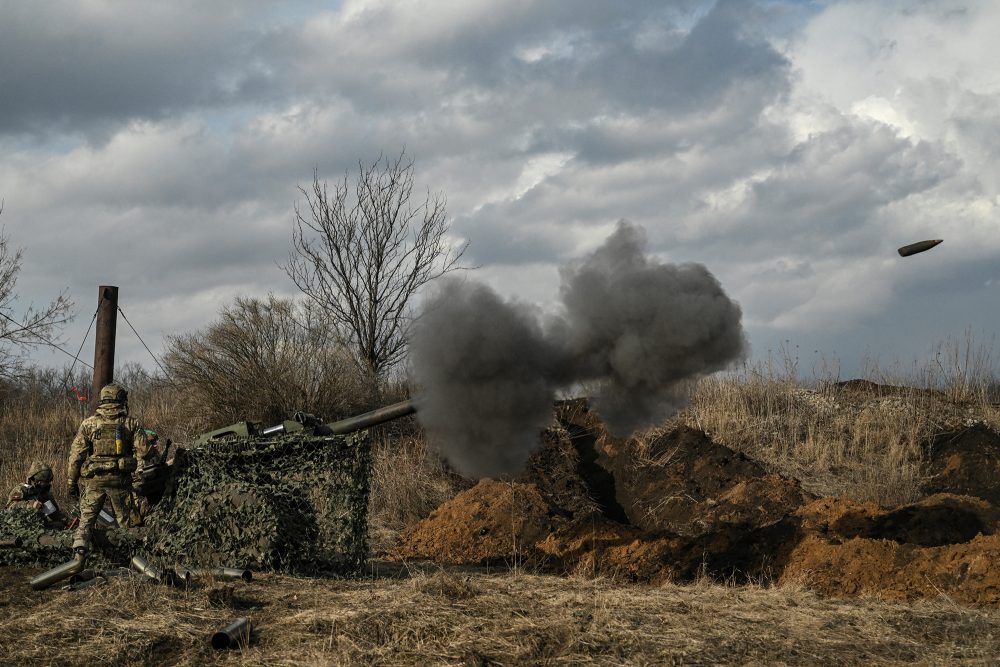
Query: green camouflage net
[(293, 503), (44, 546)]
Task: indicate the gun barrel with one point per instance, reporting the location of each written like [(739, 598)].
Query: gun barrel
[(373, 418)]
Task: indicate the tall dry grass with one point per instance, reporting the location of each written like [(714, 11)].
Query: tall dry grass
[(863, 439)]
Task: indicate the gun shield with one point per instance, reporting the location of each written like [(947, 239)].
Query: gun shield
[(234, 635), (57, 574), (232, 574)]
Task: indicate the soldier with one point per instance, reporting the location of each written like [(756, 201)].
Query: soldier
[(102, 459), (36, 493), (148, 466)]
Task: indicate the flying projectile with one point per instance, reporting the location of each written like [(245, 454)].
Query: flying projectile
[(921, 246)]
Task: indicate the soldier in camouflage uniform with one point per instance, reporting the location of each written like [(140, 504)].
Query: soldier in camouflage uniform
[(140, 502), (102, 459), (36, 493)]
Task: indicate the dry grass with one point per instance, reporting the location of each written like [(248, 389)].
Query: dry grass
[(837, 441), (478, 619), (408, 482)]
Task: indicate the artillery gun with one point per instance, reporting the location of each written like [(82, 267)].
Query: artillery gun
[(303, 422), (290, 497)]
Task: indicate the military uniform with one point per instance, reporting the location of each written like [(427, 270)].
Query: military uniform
[(36, 493), (102, 459), (141, 503)]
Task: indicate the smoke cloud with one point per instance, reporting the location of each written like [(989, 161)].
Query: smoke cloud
[(632, 327)]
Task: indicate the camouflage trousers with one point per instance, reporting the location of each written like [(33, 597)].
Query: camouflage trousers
[(93, 492)]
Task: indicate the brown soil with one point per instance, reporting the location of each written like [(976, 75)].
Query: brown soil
[(681, 507), (491, 522), (888, 570), (966, 462)]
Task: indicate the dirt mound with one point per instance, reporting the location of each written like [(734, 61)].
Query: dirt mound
[(562, 471), (868, 388), (935, 521), (966, 462), (893, 571), (684, 482), (595, 546), (491, 522), (678, 506)]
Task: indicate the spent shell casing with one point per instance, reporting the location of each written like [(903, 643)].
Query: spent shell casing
[(234, 635), (57, 574), (143, 566), (232, 574), (920, 246)]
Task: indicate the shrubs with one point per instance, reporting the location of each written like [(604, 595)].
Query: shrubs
[(264, 361)]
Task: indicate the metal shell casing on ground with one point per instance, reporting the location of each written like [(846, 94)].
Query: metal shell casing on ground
[(232, 574), (143, 566), (234, 635), (58, 573)]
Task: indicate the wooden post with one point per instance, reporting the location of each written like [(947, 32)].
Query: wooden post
[(104, 340)]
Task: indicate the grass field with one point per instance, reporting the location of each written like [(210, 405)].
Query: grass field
[(862, 449), (476, 618)]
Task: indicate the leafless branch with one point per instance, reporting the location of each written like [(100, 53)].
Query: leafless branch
[(362, 250)]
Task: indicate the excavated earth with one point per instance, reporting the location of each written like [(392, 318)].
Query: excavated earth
[(681, 507)]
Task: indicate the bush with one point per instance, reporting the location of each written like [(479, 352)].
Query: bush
[(263, 361)]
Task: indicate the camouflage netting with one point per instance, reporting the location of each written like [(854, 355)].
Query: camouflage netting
[(292, 503), (46, 547)]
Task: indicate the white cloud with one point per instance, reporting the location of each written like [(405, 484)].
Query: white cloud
[(159, 146)]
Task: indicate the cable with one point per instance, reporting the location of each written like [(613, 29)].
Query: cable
[(45, 340), (143, 342), (69, 374), (82, 343)]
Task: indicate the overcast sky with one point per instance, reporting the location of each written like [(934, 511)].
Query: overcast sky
[(790, 147)]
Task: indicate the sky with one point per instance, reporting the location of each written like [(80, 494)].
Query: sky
[(790, 147)]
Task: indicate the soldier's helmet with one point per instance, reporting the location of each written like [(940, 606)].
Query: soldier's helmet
[(113, 393), (41, 472)]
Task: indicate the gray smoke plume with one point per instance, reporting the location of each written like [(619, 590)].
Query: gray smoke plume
[(635, 328)]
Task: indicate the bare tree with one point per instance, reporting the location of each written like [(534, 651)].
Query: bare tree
[(35, 326), (363, 249)]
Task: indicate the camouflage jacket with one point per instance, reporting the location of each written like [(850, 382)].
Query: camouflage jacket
[(55, 519), (82, 459), (16, 497)]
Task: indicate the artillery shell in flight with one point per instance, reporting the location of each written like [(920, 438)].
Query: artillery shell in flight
[(920, 246)]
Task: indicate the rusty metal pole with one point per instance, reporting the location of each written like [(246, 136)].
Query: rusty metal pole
[(104, 340)]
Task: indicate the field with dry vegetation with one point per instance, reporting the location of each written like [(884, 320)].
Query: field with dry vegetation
[(506, 618), (844, 466)]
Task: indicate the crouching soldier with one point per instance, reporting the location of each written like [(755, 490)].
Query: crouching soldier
[(102, 459), (149, 480), (36, 493)]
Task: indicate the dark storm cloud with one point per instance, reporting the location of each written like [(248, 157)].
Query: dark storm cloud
[(634, 327), (71, 66), (179, 131)]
